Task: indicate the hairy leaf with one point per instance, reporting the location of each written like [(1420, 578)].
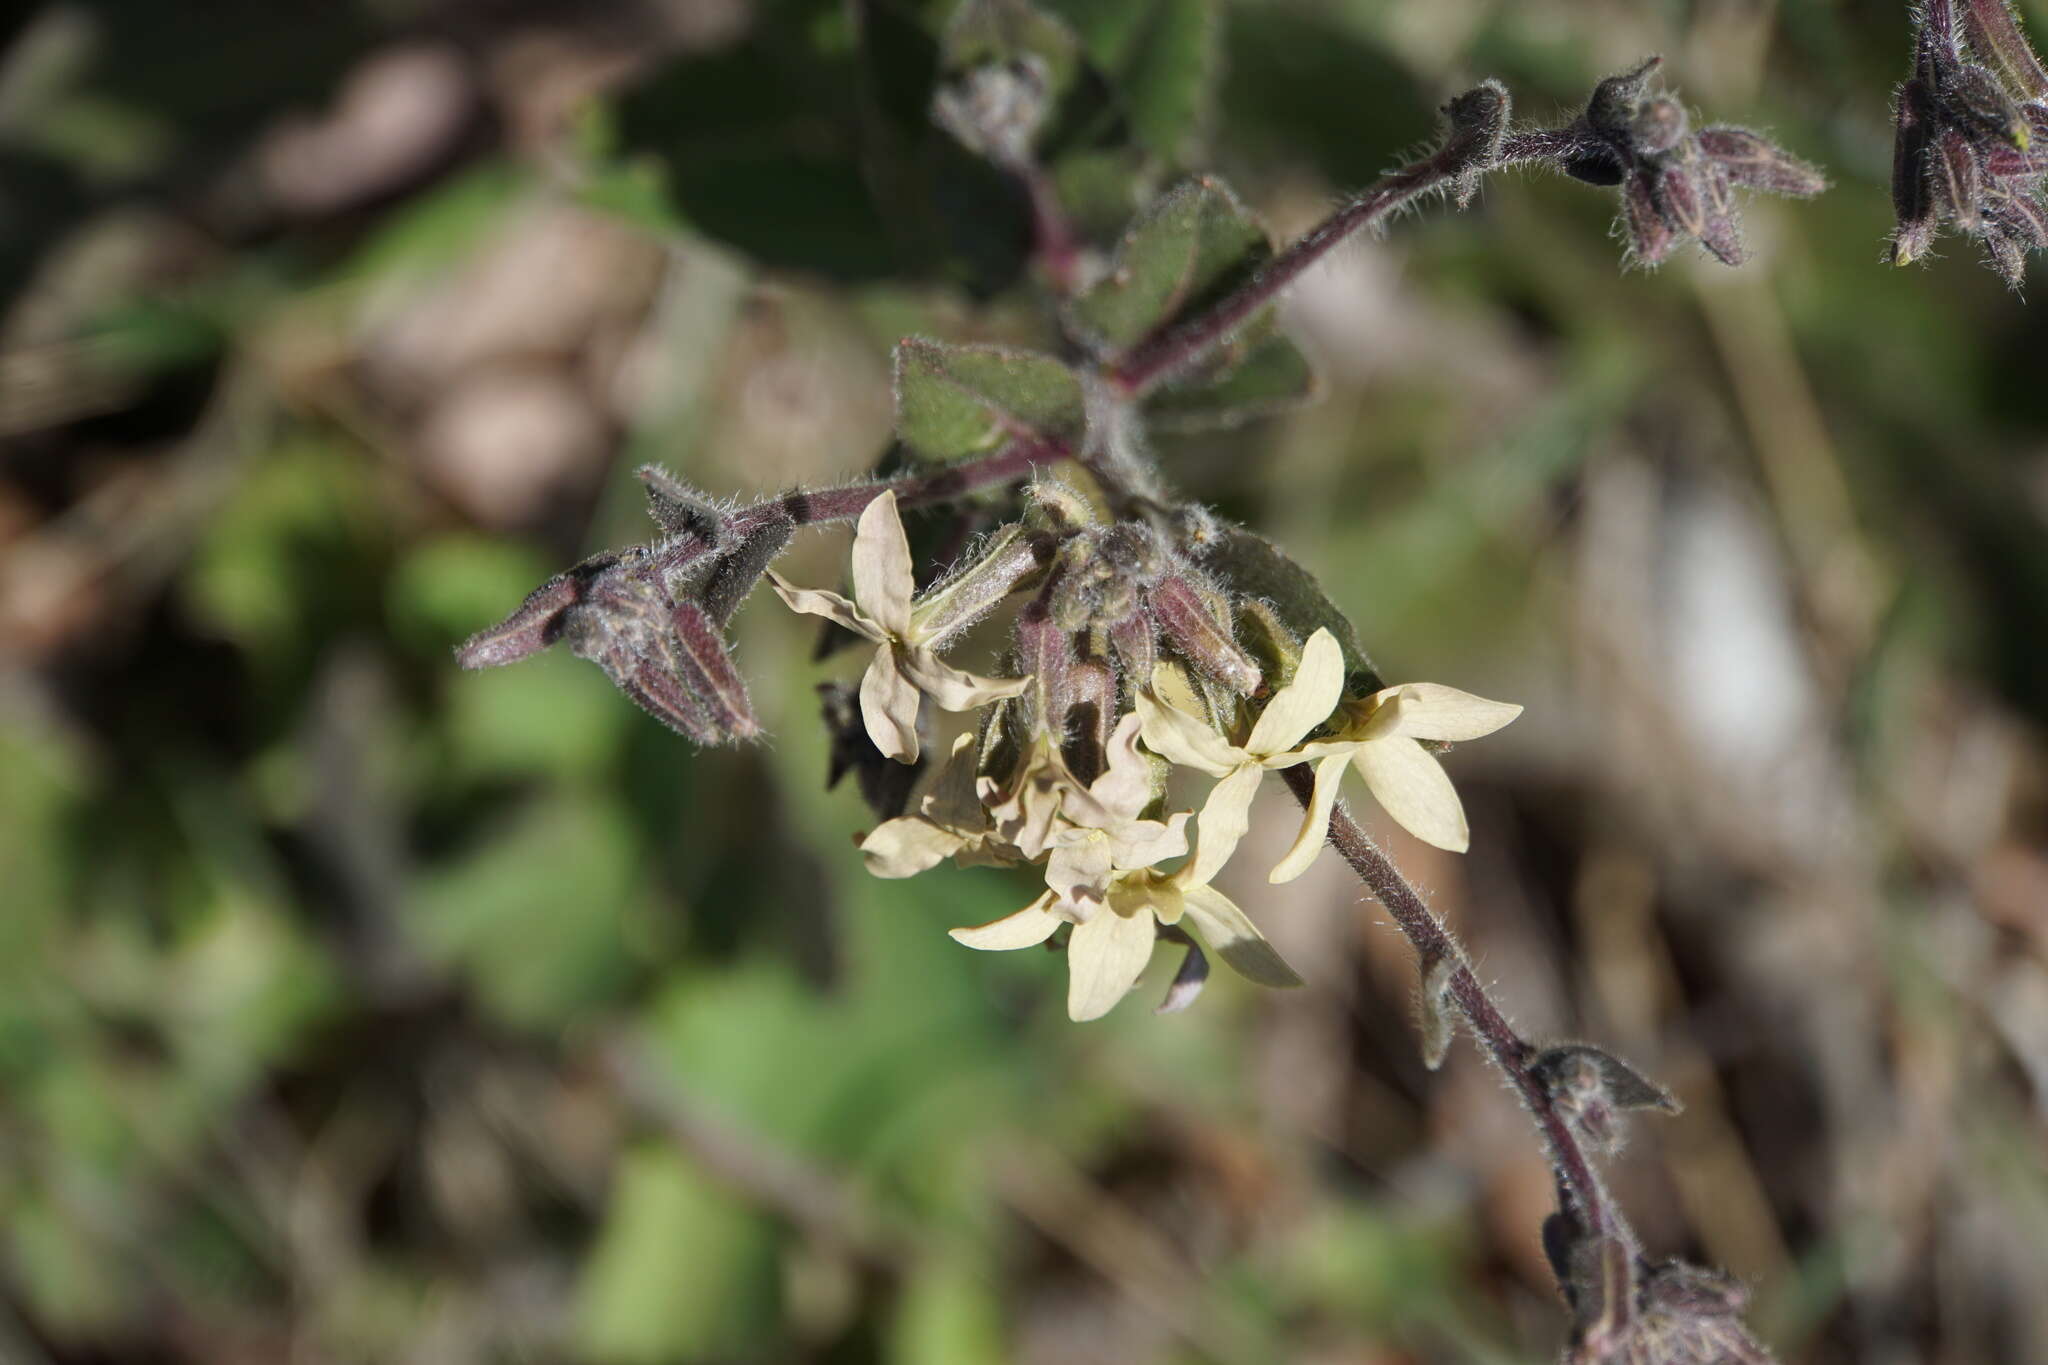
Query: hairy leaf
[(1190, 247), (954, 401), (1255, 376)]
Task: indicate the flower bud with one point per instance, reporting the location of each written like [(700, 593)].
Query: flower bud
[(707, 672), (1658, 126), (1186, 620), (1009, 560)]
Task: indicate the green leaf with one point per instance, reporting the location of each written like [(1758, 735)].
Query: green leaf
[(955, 401), (1165, 61), (1249, 563), (1257, 375), (1190, 247)]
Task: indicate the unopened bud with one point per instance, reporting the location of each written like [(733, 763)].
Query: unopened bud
[(1187, 620), (1616, 99), (1045, 654), (678, 509), (1650, 238), (537, 622), (1658, 126), (1009, 560), (707, 671), (1760, 164), (1089, 718), (739, 570), (1955, 179), (1976, 99)]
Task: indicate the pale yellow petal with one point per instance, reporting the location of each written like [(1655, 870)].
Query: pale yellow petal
[(1433, 711), (1235, 939), (953, 688), (1125, 786), (1407, 780), (1105, 957), (1078, 869), (1226, 815), (889, 705), (1141, 843), (1315, 821), (1179, 738), (1305, 702), (830, 605), (1032, 925), (954, 800), (882, 581), (907, 846)]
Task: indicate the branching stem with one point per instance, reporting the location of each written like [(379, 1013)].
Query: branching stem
[(1580, 1190), (1172, 351)]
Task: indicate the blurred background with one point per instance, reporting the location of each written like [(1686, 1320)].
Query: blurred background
[(355, 1009)]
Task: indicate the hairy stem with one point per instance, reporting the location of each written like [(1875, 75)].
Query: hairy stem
[(1013, 461), (1579, 1188), (1173, 350)]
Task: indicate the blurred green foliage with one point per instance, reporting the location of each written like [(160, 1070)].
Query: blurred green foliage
[(318, 961)]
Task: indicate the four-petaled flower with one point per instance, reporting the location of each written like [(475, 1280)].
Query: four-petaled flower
[(1103, 831), (950, 822), (1291, 714), (1112, 942), (1381, 736), (906, 664)]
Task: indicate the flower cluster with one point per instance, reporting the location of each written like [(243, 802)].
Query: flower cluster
[(1677, 182), (1972, 137), (1131, 670)]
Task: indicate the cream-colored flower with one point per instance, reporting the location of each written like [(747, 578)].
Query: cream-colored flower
[(950, 822), (1291, 714), (1102, 830), (905, 665), (1380, 736), (1111, 945)]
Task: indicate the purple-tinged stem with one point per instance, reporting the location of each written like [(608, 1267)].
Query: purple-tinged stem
[(1579, 1187), (1167, 353), (1057, 248)]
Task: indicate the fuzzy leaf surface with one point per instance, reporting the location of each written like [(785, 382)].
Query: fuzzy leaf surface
[(955, 401), (1193, 244)]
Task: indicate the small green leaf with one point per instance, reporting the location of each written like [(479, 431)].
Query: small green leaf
[(1190, 247), (1250, 564), (1256, 376), (954, 401)]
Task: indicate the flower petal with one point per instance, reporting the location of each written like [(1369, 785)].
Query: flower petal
[(1315, 821), (1125, 786), (908, 845), (1236, 939), (1104, 960), (953, 800), (1179, 738), (1226, 815), (1306, 701), (1032, 925), (830, 605), (889, 704), (1407, 780), (882, 580), (953, 688), (1433, 711), (1141, 843), (1078, 870)]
